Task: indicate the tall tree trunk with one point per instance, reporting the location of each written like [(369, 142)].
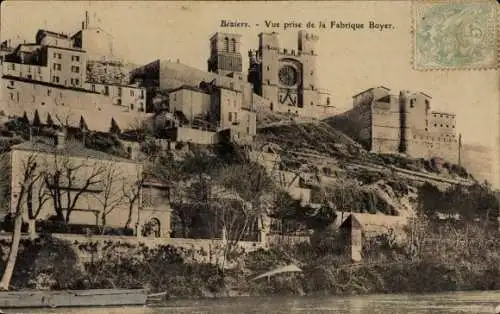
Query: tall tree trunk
[(14, 249)]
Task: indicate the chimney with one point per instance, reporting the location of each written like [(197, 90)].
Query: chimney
[(60, 141)]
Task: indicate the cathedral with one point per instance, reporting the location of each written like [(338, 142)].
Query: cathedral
[(286, 77)]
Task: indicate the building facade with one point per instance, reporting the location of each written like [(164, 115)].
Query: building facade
[(105, 185), (55, 77), (404, 123), (287, 77)]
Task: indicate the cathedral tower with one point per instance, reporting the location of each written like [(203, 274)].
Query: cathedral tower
[(225, 56)]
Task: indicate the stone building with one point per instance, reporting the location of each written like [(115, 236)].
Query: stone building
[(105, 184), (287, 77), (52, 75), (404, 123)]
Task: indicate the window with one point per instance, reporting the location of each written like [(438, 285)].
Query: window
[(233, 45), (131, 93), (267, 68), (75, 58), (77, 82), (226, 44), (119, 91), (106, 90), (141, 107), (142, 94), (43, 104), (93, 88), (412, 103), (312, 87), (230, 117), (119, 102), (235, 116), (75, 69), (13, 66), (11, 96), (29, 69), (49, 92), (57, 67), (312, 52), (131, 106), (11, 83), (55, 55), (55, 79)]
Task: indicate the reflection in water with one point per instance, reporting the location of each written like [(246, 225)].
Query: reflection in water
[(465, 302)]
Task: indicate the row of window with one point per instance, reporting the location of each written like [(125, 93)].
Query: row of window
[(75, 81), (75, 69), (106, 91), (75, 58), (57, 55), (441, 125), (57, 66)]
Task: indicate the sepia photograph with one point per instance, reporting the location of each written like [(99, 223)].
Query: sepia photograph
[(226, 157)]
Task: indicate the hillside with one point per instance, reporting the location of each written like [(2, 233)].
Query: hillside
[(318, 146)]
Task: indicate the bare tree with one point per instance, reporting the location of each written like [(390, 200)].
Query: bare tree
[(112, 195), (37, 197), (67, 179), (131, 193), (28, 176)]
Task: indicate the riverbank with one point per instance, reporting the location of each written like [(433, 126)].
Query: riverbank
[(448, 258)]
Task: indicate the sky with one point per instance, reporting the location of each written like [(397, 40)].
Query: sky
[(349, 61)]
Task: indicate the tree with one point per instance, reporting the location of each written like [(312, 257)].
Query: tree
[(37, 196), (83, 124), (112, 195), (25, 119), (131, 192), (114, 129), (29, 175), (50, 122), (67, 179), (36, 119)]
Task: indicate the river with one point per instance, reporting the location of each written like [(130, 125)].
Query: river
[(459, 302)]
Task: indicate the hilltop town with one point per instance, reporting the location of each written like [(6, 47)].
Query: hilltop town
[(116, 150)]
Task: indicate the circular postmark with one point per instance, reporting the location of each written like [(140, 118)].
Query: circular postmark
[(455, 35)]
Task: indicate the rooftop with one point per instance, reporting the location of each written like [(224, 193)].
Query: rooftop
[(47, 32)]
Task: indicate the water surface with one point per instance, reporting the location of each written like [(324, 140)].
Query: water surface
[(461, 302)]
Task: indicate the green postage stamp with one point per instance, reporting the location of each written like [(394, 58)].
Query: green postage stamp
[(455, 35)]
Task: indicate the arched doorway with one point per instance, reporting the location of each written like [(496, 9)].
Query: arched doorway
[(152, 228)]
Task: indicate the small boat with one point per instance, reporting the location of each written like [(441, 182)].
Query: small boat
[(72, 298)]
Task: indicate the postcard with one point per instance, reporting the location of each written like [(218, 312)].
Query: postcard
[(159, 151)]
